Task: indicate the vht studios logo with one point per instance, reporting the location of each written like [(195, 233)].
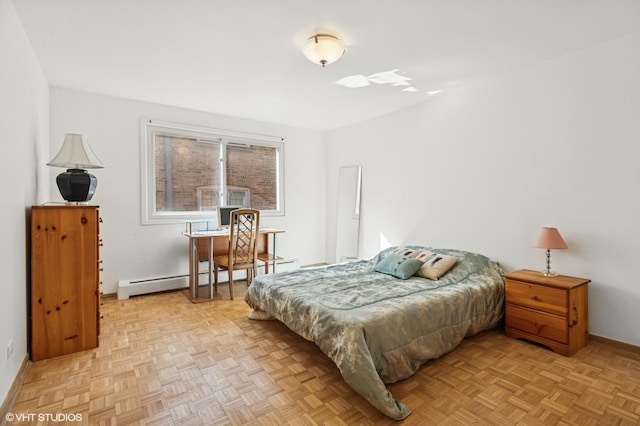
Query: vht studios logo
[(43, 417)]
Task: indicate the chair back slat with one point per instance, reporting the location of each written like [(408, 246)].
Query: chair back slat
[(244, 226)]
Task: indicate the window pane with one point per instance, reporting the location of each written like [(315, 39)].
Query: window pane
[(187, 173), (252, 169)]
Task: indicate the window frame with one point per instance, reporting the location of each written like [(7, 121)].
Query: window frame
[(149, 127)]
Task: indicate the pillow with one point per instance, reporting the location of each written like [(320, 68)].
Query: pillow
[(434, 265), (402, 267), (404, 251)]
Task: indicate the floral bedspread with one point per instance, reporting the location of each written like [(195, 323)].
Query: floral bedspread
[(379, 329)]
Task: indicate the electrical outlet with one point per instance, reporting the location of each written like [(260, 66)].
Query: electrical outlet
[(9, 348)]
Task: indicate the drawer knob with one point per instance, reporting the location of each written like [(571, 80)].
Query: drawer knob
[(534, 297)]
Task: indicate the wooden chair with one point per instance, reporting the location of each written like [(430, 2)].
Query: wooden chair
[(243, 248)]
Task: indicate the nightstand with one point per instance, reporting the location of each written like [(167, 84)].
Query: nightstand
[(552, 311)]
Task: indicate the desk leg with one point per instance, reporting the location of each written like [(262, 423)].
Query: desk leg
[(193, 279), (274, 253), (211, 268)]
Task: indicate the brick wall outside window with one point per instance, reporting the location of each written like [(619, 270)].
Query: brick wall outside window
[(254, 168), (195, 164)]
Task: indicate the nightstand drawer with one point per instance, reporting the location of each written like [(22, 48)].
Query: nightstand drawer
[(547, 299), (538, 323)]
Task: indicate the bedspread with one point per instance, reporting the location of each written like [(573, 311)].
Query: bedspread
[(379, 329)]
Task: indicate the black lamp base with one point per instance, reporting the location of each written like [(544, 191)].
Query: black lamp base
[(76, 185)]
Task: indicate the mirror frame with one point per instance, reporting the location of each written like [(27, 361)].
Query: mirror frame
[(348, 213)]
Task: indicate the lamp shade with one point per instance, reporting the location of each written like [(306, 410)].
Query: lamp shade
[(76, 154), (323, 49), (550, 238)]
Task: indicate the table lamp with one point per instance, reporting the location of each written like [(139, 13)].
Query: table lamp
[(76, 185), (549, 238)]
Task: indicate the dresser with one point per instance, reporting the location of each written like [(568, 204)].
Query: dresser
[(65, 280), (552, 311)]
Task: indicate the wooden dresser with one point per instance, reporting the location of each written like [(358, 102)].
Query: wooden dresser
[(552, 311), (65, 280)]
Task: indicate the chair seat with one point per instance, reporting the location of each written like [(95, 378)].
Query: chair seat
[(223, 262)]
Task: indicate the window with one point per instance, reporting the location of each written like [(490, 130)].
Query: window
[(188, 171)]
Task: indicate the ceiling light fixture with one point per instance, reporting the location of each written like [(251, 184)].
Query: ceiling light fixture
[(323, 49)]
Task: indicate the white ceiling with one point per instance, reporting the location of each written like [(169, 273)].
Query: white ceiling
[(243, 57)]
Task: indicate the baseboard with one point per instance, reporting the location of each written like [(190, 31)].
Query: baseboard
[(15, 387), (615, 343)]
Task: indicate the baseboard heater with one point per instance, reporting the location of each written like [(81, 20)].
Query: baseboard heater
[(128, 288)]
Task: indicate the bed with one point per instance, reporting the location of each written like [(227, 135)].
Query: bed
[(377, 328)]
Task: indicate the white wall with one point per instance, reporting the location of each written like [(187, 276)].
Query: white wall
[(24, 126), (483, 168), (133, 251)]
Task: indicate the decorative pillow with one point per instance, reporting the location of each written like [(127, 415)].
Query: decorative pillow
[(402, 267), (434, 265), (404, 251)]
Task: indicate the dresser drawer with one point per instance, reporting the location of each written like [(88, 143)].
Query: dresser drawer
[(546, 299), (538, 323)]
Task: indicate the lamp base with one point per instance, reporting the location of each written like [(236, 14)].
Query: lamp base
[(76, 185), (548, 272)]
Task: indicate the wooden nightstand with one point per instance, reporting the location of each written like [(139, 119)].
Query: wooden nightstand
[(552, 311)]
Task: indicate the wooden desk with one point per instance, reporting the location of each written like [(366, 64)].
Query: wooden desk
[(204, 245)]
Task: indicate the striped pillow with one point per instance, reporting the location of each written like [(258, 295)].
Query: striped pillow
[(434, 265)]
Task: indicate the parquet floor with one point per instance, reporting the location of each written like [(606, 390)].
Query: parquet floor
[(165, 361)]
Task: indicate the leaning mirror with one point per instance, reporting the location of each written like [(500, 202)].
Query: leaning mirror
[(348, 219)]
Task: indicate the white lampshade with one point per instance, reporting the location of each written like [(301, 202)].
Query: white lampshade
[(323, 49), (76, 154)]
